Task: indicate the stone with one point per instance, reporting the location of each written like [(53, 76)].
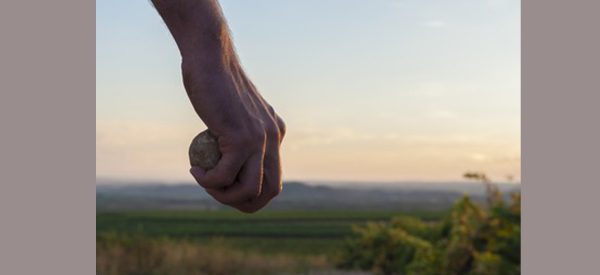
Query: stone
[(204, 150)]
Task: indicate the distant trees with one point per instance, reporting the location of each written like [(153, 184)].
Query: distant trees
[(471, 239)]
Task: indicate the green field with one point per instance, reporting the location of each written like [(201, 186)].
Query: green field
[(469, 236), (288, 232)]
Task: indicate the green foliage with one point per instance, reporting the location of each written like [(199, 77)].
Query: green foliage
[(378, 243), (471, 239)]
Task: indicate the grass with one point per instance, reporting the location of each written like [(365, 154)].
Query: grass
[(158, 256), (290, 232), (227, 242)]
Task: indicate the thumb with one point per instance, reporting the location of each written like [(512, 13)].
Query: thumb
[(197, 173)]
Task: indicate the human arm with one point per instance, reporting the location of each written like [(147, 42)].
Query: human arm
[(249, 132)]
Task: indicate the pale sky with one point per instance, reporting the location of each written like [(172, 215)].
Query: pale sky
[(378, 90)]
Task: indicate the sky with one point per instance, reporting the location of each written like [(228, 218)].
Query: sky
[(378, 90)]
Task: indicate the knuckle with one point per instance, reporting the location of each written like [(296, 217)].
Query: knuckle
[(282, 127), (271, 110)]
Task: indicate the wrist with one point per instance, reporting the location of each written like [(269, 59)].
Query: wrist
[(199, 30)]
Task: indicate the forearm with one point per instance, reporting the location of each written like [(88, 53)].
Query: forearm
[(212, 75), (200, 31)]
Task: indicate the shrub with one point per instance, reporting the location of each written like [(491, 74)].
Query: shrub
[(471, 239)]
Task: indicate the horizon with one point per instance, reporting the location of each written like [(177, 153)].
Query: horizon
[(386, 91), (331, 183)]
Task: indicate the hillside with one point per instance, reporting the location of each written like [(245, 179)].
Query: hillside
[(295, 196)]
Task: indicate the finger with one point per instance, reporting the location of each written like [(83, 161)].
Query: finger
[(247, 187), (235, 194), (197, 172), (223, 174), (253, 176), (282, 127), (271, 183)]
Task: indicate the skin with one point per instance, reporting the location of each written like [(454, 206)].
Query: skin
[(248, 129)]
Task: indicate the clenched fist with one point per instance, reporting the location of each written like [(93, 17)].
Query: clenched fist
[(248, 130)]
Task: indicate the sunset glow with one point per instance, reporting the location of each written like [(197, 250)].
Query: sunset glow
[(383, 91)]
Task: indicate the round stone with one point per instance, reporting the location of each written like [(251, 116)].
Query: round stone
[(204, 150)]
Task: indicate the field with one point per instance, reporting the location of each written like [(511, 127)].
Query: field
[(469, 238), (227, 242), (273, 232)]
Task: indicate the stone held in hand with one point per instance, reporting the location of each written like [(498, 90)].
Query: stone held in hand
[(204, 150)]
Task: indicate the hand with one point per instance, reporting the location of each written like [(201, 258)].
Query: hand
[(249, 132)]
